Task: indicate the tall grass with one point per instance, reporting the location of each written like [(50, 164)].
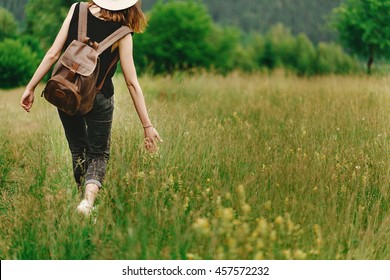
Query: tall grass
[(252, 167)]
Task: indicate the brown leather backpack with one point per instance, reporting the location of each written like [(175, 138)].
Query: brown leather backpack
[(72, 87)]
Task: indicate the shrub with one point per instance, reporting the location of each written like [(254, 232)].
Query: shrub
[(278, 48), (332, 59), (45, 17), (176, 37), (223, 45), (250, 53), (17, 63), (304, 55), (8, 24)]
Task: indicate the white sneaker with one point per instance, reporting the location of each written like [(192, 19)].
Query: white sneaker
[(84, 208)]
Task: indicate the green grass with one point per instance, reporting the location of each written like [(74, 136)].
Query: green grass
[(273, 167)]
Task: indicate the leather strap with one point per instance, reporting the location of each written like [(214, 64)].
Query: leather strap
[(113, 62), (110, 40), (106, 43), (82, 28)]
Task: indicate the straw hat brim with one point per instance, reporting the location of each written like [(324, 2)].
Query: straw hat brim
[(115, 5)]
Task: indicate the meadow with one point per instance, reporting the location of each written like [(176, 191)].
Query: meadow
[(251, 167)]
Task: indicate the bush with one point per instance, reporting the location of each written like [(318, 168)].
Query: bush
[(176, 37), (17, 63), (34, 44), (278, 48), (250, 53), (8, 24), (304, 55), (44, 19), (223, 47), (332, 59)]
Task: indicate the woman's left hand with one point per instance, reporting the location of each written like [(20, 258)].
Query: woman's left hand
[(151, 139)]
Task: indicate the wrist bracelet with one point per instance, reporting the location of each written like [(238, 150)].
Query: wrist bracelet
[(145, 127)]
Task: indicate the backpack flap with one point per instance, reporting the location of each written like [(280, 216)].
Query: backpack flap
[(80, 58)]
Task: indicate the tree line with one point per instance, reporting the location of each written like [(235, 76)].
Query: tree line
[(300, 16), (182, 36)]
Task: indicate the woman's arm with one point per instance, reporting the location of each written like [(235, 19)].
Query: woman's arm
[(47, 62), (130, 75)]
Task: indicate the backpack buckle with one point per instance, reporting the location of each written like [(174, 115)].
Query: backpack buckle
[(91, 43), (72, 72)]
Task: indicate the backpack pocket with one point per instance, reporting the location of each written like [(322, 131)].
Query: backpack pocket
[(63, 94)]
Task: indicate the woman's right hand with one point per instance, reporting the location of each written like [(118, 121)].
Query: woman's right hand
[(27, 100), (151, 138)]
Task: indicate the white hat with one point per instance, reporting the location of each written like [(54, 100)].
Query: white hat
[(115, 5)]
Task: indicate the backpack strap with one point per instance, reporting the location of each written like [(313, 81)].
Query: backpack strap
[(113, 62), (108, 42), (103, 45), (111, 39), (82, 28)]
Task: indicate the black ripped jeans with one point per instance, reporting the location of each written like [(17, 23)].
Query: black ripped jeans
[(89, 140)]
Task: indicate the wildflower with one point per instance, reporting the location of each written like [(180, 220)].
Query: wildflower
[(287, 254), (273, 236), (248, 248), (191, 256), (279, 220), (299, 255), (231, 242), (259, 256), (263, 226), (185, 204), (202, 225), (227, 214), (140, 175), (268, 205), (240, 190), (246, 209), (260, 244), (317, 231), (170, 180)]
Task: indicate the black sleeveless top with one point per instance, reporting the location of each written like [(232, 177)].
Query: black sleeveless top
[(97, 30)]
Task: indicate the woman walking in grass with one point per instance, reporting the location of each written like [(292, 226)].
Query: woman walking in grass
[(89, 135)]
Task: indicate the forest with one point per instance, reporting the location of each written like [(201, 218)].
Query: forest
[(306, 16), (297, 36)]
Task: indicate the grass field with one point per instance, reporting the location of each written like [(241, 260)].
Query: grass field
[(252, 167)]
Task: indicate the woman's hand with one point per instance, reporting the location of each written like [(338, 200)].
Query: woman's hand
[(151, 138), (27, 100)]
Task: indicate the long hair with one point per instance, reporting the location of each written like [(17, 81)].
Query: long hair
[(132, 17)]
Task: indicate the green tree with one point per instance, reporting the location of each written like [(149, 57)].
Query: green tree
[(250, 52), (176, 37), (17, 63), (364, 28), (44, 18), (279, 47), (223, 45), (8, 24), (304, 55), (331, 59)]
